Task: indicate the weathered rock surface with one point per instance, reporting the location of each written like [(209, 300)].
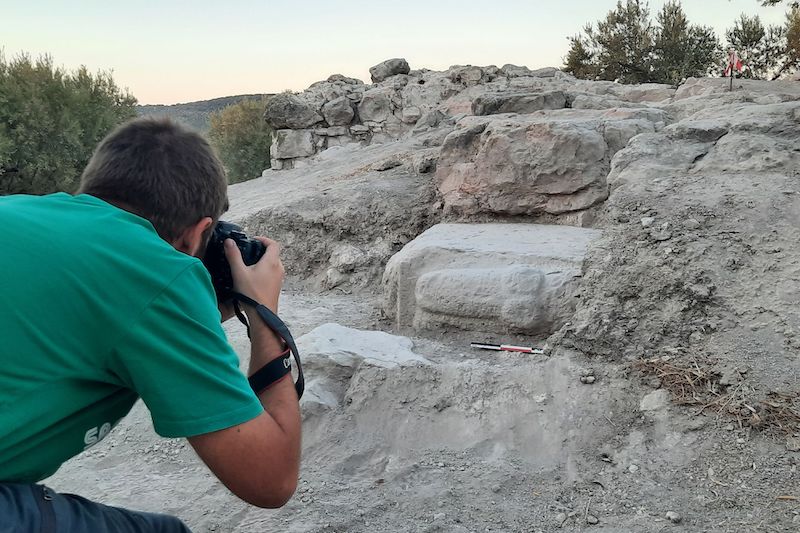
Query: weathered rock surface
[(290, 144), (698, 262), (404, 102), (699, 252), (339, 220), (376, 105), (487, 277), (289, 111), (539, 163), (390, 67), (339, 111), (333, 353), (493, 104)]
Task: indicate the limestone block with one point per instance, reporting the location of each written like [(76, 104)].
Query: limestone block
[(466, 76), (520, 298), (424, 162), (429, 92), (287, 110), (546, 72), (592, 101), (333, 353), (340, 140), (339, 78), (394, 127), (388, 68), (534, 164), (492, 104), (411, 114), (431, 119), (289, 144), (487, 277), (514, 71), (646, 92), (376, 105), (333, 131), (338, 112), (516, 168), (618, 133)]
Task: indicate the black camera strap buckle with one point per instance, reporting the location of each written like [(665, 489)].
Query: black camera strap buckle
[(278, 327)]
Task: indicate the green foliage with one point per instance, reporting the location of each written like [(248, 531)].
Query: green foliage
[(580, 60), (768, 53), (793, 4), (791, 56), (196, 115), (748, 37), (626, 46), (682, 50), (51, 120), (624, 41), (242, 139)]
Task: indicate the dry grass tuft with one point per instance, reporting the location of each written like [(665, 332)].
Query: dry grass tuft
[(698, 384)]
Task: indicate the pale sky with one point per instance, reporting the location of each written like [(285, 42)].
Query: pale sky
[(173, 51)]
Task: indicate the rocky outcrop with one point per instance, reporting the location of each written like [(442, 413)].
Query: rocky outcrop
[(537, 163), (699, 256), (495, 104), (402, 102), (341, 219)]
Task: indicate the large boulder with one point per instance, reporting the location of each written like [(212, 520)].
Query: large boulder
[(338, 112), (333, 353), (646, 92), (551, 163), (496, 103), (289, 144), (376, 105), (287, 110), (388, 68), (468, 75), (487, 277), (515, 71)]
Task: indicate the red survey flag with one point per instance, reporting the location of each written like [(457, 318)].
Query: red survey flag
[(734, 64)]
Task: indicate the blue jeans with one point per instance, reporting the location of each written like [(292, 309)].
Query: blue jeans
[(37, 509)]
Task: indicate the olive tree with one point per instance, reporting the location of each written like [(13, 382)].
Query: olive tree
[(51, 120)]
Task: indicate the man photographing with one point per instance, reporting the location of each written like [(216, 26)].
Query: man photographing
[(103, 300)]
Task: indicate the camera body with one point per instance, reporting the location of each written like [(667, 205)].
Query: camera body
[(217, 264)]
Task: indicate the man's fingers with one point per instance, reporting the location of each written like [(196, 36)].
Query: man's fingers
[(233, 254), (273, 247)]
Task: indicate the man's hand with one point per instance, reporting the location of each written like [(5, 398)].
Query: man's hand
[(263, 281)]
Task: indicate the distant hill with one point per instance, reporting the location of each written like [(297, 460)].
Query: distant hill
[(195, 114)]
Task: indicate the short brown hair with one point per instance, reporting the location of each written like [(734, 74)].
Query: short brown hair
[(161, 171)]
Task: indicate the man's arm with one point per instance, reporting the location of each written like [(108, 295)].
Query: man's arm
[(259, 460)]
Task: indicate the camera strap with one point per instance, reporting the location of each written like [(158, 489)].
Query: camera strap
[(281, 366)]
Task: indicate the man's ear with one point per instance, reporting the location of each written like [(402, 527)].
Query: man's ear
[(192, 240)]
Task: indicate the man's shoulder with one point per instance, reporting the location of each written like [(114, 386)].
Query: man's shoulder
[(112, 250)]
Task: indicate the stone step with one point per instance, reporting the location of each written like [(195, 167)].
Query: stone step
[(488, 277)]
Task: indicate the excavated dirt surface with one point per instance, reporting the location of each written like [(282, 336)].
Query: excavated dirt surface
[(478, 442), (655, 408)]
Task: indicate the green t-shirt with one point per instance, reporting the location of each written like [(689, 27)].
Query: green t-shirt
[(96, 310)]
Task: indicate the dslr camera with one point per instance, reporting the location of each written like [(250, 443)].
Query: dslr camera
[(217, 264)]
